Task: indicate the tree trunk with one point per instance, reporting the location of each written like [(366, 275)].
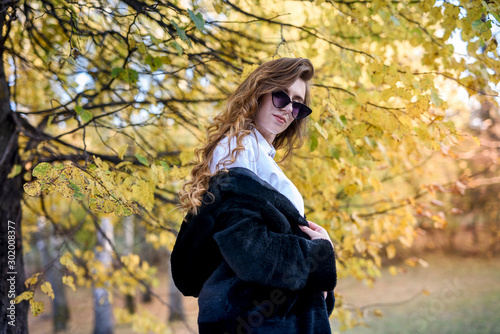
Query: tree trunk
[(45, 244), (128, 230), (175, 298), (103, 311), (13, 317), (146, 255)]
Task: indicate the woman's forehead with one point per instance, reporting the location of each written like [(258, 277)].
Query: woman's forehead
[(297, 91)]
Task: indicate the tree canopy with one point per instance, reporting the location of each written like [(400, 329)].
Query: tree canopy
[(110, 98)]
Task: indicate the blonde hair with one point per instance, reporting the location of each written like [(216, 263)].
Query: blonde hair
[(237, 120)]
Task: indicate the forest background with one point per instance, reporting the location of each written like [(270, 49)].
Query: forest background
[(102, 104)]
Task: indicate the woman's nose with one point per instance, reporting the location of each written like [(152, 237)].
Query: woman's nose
[(288, 108)]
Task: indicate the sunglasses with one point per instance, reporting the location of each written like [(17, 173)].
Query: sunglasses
[(299, 110)]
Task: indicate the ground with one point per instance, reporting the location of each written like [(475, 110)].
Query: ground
[(454, 294)]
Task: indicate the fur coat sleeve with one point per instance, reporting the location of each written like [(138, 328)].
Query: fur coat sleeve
[(261, 247)]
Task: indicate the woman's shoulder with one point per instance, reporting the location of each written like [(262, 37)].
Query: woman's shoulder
[(247, 157), (249, 142)]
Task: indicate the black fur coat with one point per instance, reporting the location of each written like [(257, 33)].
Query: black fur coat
[(251, 267)]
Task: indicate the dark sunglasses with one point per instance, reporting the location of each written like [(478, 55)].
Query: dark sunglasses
[(299, 110)]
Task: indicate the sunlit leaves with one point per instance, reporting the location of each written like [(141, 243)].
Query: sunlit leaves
[(26, 295), (69, 281), (107, 192), (31, 283), (380, 112), (47, 288)]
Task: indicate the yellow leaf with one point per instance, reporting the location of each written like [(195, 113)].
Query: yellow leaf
[(26, 295), (375, 184), (36, 307), (351, 190), (122, 150), (426, 292), (391, 251), (423, 263), (416, 109), (47, 288), (412, 261), (32, 280), (321, 130), (378, 313), (16, 169), (33, 188), (67, 261), (69, 281), (393, 270), (247, 69)]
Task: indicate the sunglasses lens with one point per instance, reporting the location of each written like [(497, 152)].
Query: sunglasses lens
[(280, 99), (300, 110)]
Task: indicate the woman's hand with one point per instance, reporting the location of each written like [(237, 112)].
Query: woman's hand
[(314, 231)]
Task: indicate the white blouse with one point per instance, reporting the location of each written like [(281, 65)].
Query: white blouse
[(258, 156)]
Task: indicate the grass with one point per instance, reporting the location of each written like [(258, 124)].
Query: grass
[(463, 296)]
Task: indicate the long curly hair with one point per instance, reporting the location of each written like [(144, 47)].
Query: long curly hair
[(237, 120)]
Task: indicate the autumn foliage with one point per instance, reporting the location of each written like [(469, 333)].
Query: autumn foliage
[(113, 97)]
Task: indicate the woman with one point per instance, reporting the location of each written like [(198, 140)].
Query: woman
[(245, 248)]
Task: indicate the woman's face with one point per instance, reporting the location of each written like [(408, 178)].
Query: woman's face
[(271, 121)]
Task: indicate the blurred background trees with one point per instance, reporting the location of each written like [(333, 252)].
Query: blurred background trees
[(103, 103)]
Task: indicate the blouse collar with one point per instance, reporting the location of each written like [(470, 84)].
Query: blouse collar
[(264, 145)]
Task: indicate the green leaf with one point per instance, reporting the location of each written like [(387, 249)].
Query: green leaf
[(142, 48), (182, 33), (351, 101), (116, 72), (197, 19), (78, 195), (86, 116), (351, 148), (131, 76), (16, 169), (165, 166), (335, 152), (153, 62), (142, 159), (177, 47), (313, 144), (155, 40), (79, 110), (41, 170), (436, 100), (496, 16), (481, 26)]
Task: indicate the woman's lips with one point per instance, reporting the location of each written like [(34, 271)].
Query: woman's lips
[(280, 119)]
